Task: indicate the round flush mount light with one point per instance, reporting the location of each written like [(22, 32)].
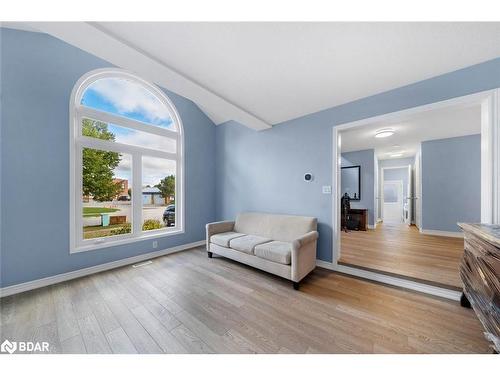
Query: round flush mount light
[(384, 133)]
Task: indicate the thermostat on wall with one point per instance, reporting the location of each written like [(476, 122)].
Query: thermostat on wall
[(308, 177)]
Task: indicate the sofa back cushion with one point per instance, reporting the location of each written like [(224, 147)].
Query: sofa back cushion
[(276, 227)]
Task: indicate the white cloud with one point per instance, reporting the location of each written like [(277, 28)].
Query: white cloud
[(124, 169), (156, 169), (153, 169), (129, 97)]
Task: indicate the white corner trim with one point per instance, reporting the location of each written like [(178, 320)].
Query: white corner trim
[(391, 280), (442, 233), (91, 38), (35, 284), (490, 156)]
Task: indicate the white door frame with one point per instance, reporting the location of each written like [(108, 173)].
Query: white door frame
[(417, 188), (410, 196), (490, 178)]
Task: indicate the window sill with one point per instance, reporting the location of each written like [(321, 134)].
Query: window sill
[(124, 241)]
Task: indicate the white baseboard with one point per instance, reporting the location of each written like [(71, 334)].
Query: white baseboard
[(35, 284), (442, 233), (391, 280), (370, 226)]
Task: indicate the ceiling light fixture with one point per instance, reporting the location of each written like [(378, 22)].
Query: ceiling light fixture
[(396, 155), (383, 133)]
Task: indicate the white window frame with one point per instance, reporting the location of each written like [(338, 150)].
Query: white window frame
[(78, 142)]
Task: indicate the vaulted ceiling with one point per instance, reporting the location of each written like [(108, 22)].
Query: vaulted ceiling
[(260, 74)]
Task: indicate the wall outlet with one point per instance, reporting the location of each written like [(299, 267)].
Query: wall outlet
[(155, 244), (327, 189)]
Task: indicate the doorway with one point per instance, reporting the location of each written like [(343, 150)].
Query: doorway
[(394, 206), (398, 180)]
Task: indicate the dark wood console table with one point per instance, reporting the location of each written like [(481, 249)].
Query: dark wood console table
[(480, 273), (360, 214)]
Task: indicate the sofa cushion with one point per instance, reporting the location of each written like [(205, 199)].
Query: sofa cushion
[(278, 227), (222, 239), (275, 251), (247, 243)]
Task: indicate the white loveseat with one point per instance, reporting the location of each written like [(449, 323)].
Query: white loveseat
[(284, 245)]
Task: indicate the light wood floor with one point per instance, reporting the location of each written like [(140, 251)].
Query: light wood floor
[(401, 249), (187, 303)]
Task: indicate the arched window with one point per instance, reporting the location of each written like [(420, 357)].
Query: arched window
[(126, 161)]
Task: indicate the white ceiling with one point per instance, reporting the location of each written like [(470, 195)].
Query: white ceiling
[(409, 132), (280, 71), (266, 73)]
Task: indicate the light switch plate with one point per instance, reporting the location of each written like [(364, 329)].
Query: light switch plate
[(327, 189)]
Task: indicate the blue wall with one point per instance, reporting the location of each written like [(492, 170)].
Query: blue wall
[(253, 170), (451, 182), (263, 170), (366, 159), (38, 73)]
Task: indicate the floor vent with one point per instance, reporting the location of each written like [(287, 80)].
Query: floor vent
[(142, 264)]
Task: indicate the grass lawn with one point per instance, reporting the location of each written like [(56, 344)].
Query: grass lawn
[(98, 231), (97, 211)]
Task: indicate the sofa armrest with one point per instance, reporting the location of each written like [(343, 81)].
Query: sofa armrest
[(305, 239), (304, 255), (218, 227)]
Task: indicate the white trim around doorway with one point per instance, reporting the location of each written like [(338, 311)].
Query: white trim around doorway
[(490, 176)]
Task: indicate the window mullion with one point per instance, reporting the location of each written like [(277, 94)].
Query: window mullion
[(104, 145), (136, 194), (79, 193), (125, 122)]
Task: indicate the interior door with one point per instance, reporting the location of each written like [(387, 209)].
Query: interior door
[(409, 198), (393, 201)]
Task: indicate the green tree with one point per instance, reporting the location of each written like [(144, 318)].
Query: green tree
[(99, 166), (167, 187)]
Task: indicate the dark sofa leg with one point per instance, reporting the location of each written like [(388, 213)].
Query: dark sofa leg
[(296, 285), (464, 301), (209, 254)]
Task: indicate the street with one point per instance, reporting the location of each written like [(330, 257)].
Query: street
[(153, 212)]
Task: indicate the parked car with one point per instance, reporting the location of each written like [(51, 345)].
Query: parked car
[(124, 198), (169, 215)]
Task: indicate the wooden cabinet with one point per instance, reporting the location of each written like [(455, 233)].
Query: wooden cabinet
[(360, 215)]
